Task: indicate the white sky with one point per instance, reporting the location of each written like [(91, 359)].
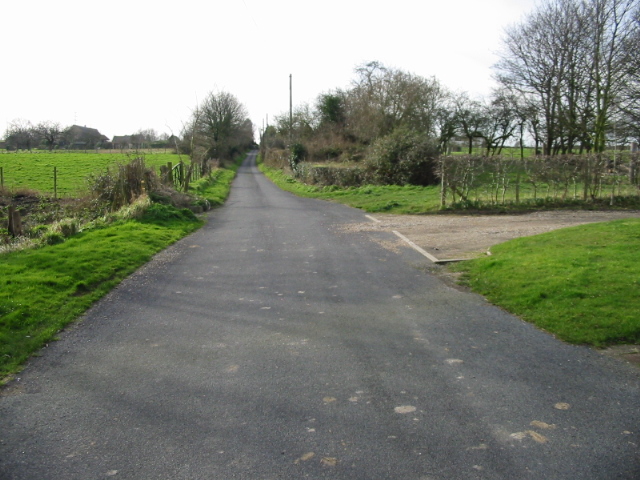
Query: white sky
[(120, 66)]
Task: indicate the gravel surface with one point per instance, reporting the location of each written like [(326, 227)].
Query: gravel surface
[(467, 236)]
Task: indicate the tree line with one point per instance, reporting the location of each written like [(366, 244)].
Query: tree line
[(568, 80), (24, 135), (218, 128)]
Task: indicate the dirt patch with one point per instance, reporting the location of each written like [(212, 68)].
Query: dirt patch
[(630, 353), (467, 236)]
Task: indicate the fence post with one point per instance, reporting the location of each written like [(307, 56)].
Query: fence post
[(443, 184), (55, 182), (170, 174), (585, 164), (2, 177), (15, 222)]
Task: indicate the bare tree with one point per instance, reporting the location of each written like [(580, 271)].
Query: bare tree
[(383, 99), (612, 28), (20, 135), (629, 114), (501, 121), (49, 132), (569, 59), (220, 126), (470, 116)]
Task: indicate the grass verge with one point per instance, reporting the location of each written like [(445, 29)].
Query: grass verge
[(370, 198), (581, 283), (43, 290)]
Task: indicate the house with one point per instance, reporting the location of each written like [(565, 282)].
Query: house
[(121, 142), (82, 138)]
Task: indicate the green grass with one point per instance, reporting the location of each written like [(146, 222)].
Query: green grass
[(35, 170), (216, 187), (412, 199), (370, 198), (43, 290), (581, 283)]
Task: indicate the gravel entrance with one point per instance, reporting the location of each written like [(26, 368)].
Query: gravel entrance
[(467, 236)]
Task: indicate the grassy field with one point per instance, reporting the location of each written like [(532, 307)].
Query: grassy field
[(580, 283), (36, 170)]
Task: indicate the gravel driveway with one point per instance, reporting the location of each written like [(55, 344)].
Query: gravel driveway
[(467, 236)]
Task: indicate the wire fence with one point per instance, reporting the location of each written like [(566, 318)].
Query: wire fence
[(63, 182), (499, 180)]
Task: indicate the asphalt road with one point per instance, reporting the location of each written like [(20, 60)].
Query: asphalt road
[(273, 344)]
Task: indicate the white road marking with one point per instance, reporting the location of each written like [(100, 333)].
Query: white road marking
[(416, 247)]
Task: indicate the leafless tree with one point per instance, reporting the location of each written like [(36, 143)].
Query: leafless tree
[(500, 121), (20, 135), (383, 99), (49, 132), (570, 60), (470, 116), (221, 126)]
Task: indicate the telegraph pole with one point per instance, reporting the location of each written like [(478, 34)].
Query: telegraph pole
[(290, 108)]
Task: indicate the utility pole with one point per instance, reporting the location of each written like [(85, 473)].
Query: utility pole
[(290, 108)]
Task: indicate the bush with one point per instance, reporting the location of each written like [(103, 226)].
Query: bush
[(123, 186), (403, 157), (336, 175)]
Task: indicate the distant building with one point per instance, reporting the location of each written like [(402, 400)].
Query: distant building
[(121, 142), (83, 138)]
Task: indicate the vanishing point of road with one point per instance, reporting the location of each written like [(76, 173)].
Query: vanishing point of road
[(276, 344)]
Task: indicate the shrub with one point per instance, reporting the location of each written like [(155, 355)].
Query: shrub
[(403, 157), (125, 184), (336, 175)]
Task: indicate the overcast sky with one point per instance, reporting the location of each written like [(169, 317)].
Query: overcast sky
[(120, 66)]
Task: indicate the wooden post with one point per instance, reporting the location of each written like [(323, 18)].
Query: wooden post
[(1, 177), (15, 222), (443, 184), (586, 178), (55, 182)]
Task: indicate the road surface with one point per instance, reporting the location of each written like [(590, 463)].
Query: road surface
[(274, 344)]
